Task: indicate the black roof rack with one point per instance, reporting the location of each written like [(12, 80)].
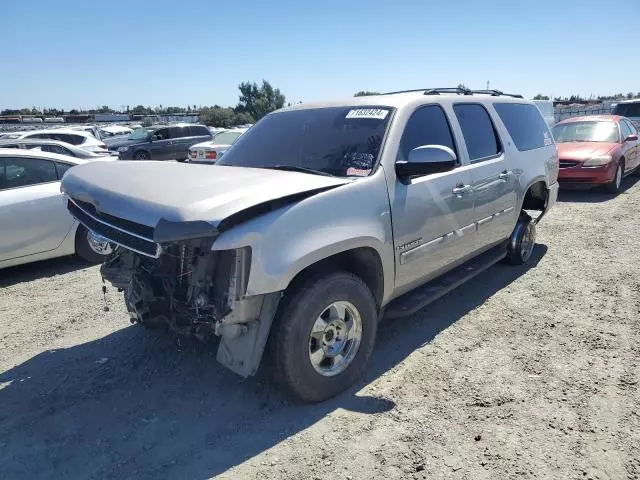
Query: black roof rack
[(457, 90)]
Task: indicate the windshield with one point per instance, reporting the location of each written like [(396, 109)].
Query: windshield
[(586, 132), (225, 138), (139, 134), (627, 109), (341, 141)]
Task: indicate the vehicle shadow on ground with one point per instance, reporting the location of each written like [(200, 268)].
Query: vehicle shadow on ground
[(132, 405), (42, 269), (595, 194)]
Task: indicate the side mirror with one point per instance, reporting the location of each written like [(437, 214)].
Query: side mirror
[(631, 138), (425, 160)]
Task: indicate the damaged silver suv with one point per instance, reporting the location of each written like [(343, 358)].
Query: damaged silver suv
[(319, 221)]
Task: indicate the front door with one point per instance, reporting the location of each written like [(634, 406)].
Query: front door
[(432, 215), (160, 145), (494, 183), (180, 143), (630, 149), (33, 218)]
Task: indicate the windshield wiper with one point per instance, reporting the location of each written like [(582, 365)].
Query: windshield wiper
[(293, 168)]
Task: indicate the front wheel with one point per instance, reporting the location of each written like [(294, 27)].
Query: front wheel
[(614, 185), (90, 247), (142, 155), (323, 336), (522, 241)]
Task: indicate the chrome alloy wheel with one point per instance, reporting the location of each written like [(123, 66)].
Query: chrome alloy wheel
[(335, 338)]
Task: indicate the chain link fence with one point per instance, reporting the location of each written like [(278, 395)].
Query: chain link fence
[(567, 111)]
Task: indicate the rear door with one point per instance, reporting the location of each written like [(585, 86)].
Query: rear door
[(492, 175), (180, 141), (33, 218)]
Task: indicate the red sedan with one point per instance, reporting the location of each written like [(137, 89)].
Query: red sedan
[(597, 150)]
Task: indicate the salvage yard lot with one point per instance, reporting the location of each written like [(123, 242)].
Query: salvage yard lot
[(521, 373)]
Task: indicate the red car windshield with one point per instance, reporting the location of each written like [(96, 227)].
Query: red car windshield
[(586, 132)]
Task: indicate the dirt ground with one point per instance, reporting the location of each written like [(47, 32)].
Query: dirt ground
[(522, 373)]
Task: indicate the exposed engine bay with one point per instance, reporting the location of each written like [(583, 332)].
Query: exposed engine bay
[(189, 289)]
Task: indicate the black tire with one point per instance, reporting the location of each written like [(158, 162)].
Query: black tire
[(614, 185), (181, 160), (141, 155), (288, 349), (524, 235), (84, 250)]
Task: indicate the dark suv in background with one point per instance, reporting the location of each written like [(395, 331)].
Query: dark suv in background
[(170, 142)]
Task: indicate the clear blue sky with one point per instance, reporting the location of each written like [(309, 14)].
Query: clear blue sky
[(78, 53)]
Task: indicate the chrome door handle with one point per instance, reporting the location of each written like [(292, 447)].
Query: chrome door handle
[(505, 175), (461, 189)]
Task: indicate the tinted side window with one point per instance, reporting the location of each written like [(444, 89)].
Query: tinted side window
[(627, 109), (2, 174), (624, 129), (22, 172), (52, 149), (633, 129), (199, 131), (479, 133), (178, 132), (62, 167), (161, 134), (427, 126), (525, 125)]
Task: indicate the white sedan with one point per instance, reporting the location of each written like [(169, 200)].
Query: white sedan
[(79, 138), (34, 221), (211, 151)]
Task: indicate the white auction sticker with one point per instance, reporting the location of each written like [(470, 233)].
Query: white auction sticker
[(377, 113)]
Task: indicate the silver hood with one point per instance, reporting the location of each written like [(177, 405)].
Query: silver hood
[(149, 193)]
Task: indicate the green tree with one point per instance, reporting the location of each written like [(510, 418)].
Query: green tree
[(365, 93), (139, 110), (217, 116), (242, 119), (541, 97), (630, 95), (258, 101), (462, 86), (105, 109)]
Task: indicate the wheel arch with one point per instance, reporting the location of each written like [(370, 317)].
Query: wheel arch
[(536, 195), (365, 262)]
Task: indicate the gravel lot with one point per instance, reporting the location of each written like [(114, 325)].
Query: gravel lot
[(523, 373)]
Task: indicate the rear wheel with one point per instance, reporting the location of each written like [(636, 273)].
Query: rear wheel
[(614, 185), (91, 247), (142, 155), (323, 336), (522, 241)]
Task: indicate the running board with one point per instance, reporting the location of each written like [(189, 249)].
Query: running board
[(417, 299)]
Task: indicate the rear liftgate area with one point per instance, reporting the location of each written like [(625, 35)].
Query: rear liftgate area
[(194, 291)]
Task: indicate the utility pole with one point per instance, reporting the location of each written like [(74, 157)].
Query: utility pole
[(487, 84)]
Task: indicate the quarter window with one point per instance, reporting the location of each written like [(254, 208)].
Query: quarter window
[(62, 167), (478, 131), (199, 131), (427, 126), (22, 172), (524, 123)]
